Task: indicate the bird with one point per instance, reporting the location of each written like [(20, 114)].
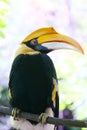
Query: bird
[(33, 82)]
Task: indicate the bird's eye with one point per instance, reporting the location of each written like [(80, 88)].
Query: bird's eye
[(33, 42)]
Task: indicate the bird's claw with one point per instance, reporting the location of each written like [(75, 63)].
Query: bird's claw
[(43, 117), (15, 112)]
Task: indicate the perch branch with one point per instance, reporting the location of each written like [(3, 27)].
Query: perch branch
[(50, 120)]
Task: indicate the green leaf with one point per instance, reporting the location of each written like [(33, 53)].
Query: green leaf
[(5, 1), (3, 12), (2, 24), (2, 34)]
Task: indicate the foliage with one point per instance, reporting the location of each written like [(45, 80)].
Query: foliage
[(3, 12), (71, 69), (4, 96)]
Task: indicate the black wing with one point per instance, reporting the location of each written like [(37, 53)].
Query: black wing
[(33, 75)]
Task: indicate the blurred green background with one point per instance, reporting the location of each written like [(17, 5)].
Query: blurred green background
[(19, 18)]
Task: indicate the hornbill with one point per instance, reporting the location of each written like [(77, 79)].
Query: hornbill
[(33, 80)]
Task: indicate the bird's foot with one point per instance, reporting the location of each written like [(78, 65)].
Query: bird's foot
[(43, 118), (15, 112)]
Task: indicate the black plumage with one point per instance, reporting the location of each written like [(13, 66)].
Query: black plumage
[(31, 83)]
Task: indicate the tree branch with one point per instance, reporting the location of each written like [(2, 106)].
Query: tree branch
[(50, 120)]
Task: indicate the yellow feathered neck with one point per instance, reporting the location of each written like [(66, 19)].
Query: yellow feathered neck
[(23, 49)]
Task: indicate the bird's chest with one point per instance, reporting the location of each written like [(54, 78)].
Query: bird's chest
[(29, 83), (31, 73)]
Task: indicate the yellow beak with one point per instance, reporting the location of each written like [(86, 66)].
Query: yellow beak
[(48, 34), (40, 32)]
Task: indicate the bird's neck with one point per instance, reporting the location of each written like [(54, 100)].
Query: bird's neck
[(23, 49)]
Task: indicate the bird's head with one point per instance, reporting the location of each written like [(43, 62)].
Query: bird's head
[(36, 40)]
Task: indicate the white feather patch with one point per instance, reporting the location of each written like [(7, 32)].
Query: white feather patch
[(23, 124)]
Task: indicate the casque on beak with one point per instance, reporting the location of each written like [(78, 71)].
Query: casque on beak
[(48, 34)]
